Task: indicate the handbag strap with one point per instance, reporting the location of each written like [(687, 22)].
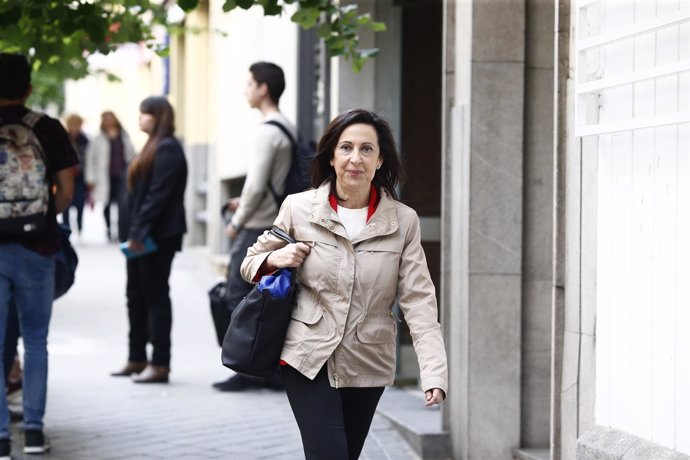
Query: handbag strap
[(283, 235)]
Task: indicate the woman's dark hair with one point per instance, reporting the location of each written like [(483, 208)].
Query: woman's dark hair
[(391, 172), (164, 126), (272, 75), (15, 76)]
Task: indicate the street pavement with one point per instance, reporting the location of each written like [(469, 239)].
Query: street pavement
[(94, 416)]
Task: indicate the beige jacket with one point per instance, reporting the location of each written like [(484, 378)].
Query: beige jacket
[(346, 291)]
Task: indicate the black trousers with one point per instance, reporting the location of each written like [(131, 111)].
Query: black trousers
[(334, 423), (116, 185), (148, 303), (77, 202)]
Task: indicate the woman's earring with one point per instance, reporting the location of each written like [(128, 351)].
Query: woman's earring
[(378, 167)]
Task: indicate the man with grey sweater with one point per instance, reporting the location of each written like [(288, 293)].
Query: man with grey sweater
[(256, 208)]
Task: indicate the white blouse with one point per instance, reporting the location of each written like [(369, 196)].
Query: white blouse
[(354, 220)]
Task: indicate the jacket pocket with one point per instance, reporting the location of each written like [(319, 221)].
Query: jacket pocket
[(376, 348), (305, 321)]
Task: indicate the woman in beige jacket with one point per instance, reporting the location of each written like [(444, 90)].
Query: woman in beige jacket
[(358, 250)]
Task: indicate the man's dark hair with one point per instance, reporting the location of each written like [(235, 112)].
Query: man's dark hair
[(15, 76), (272, 75)]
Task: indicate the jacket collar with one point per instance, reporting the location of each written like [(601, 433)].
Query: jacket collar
[(373, 201), (383, 220)]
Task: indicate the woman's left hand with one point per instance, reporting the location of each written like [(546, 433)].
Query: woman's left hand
[(434, 396), (135, 246)]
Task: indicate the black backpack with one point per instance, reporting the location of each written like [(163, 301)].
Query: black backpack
[(298, 179)]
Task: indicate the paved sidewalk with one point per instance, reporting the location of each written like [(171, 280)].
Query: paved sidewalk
[(93, 416)]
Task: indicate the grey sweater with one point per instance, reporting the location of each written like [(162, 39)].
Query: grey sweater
[(271, 156)]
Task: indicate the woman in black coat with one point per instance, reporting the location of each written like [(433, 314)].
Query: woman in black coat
[(156, 181)]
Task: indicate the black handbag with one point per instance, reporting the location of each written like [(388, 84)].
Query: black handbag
[(255, 336), (220, 312), (66, 261)]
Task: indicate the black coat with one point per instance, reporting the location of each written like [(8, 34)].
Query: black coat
[(155, 205)]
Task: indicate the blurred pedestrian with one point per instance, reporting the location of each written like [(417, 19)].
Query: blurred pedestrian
[(256, 208), (108, 155), (156, 182), (38, 182), (80, 142), (359, 251)]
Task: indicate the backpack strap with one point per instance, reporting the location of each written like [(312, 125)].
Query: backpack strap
[(31, 118), (287, 133)]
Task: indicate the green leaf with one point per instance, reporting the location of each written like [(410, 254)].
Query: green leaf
[(188, 5), (368, 52), (112, 77), (324, 30), (348, 9), (229, 5), (10, 16), (358, 63), (245, 4), (271, 7), (377, 26), (364, 19), (306, 17)]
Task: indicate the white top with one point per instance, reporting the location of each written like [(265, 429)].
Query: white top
[(353, 220)]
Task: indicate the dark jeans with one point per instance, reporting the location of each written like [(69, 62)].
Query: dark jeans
[(116, 185), (77, 202), (148, 303), (333, 422)]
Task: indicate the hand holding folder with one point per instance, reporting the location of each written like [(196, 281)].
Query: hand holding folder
[(149, 247)]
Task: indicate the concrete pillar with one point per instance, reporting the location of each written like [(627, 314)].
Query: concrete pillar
[(537, 225), (574, 290), (483, 223)]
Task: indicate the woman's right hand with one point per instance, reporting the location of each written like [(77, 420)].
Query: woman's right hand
[(292, 255)]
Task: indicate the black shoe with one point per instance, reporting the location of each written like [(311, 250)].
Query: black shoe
[(5, 449), (35, 442), (239, 383)]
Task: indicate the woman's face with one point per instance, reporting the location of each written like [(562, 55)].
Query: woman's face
[(356, 157), (108, 122), (74, 127), (147, 122)]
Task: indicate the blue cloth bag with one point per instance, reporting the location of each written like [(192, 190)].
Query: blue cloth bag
[(278, 284)]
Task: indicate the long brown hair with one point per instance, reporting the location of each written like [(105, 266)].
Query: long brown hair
[(391, 172), (164, 126), (110, 114)]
